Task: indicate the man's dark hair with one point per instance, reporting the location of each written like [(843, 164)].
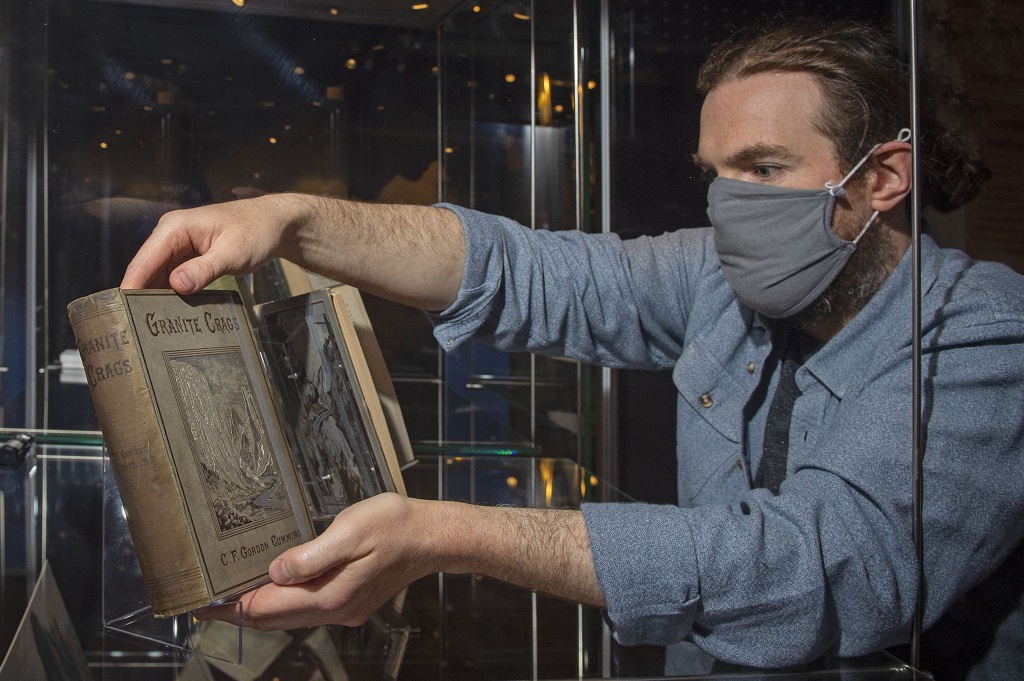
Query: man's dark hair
[(866, 97)]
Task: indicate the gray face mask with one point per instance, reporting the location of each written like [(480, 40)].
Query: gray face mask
[(776, 244)]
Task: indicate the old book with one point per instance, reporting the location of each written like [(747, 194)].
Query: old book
[(385, 387), (315, 358), (204, 456)]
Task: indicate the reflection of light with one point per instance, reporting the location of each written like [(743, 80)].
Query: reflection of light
[(350, 64), (434, 70), (512, 482), (239, 3), (147, 108), (166, 62), (103, 145), (117, 132), (287, 127), (334, 11), (298, 70), (559, 108), (521, 15), (421, 5), (129, 75), (510, 77), (593, 481), (544, 100), (273, 140), (591, 84), (546, 468), (448, 150), (476, 8), (256, 176)]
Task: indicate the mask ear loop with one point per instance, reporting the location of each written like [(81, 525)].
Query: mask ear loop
[(865, 228), (837, 190)]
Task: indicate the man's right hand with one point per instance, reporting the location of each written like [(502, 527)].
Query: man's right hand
[(191, 248), (413, 255)]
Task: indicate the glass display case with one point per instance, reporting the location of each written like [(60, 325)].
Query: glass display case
[(57, 511), (563, 114)]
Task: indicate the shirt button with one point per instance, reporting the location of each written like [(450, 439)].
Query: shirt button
[(706, 401), (750, 367)]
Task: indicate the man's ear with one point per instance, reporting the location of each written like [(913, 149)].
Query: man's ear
[(892, 179)]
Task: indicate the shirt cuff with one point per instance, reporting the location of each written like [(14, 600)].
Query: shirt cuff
[(646, 566)]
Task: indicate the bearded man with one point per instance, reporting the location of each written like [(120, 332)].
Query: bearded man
[(787, 325)]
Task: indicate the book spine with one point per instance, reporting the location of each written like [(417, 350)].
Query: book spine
[(138, 455)]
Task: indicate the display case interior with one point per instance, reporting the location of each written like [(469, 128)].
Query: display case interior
[(562, 114)]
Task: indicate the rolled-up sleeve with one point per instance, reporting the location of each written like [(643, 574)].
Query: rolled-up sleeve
[(590, 297)]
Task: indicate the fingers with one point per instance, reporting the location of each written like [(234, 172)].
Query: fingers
[(340, 596), (336, 546), (189, 249), (341, 577), (166, 248), (334, 598)]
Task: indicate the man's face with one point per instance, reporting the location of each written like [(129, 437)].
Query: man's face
[(762, 129)]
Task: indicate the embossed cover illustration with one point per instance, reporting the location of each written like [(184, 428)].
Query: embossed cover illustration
[(341, 442), (203, 461)]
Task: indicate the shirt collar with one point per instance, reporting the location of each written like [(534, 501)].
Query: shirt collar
[(838, 362)]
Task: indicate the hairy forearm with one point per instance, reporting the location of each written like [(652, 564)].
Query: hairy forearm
[(413, 255), (546, 550)]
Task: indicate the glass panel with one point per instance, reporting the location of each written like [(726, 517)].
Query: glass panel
[(510, 148), (656, 49), (19, 62), (159, 105)]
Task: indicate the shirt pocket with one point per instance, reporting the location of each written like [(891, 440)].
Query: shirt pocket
[(710, 427)]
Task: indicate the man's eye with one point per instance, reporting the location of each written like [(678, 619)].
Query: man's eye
[(766, 172)]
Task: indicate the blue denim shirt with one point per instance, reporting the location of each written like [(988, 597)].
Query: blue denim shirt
[(828, 564)]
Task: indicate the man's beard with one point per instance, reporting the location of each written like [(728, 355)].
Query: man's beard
[(868, 268)]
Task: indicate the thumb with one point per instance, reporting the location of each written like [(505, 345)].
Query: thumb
[(307, 561), (198, 273)]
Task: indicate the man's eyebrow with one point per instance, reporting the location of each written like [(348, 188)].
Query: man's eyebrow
[(747, 155)]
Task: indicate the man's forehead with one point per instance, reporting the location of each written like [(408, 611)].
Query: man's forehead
[(750, 153), (766, 113)]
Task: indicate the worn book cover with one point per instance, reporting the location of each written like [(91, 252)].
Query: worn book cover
[(201, 461)]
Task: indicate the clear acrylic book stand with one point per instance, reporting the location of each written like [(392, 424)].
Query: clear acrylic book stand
[(381, 642), (126, 608)]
